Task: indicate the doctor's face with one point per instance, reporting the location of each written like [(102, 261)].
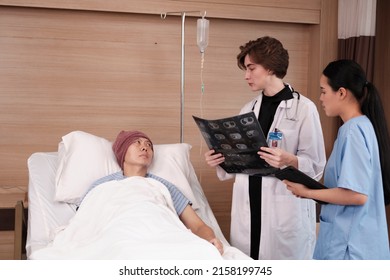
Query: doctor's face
[(256, 75)]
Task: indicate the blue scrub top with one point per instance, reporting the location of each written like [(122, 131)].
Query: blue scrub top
[(354, 232)]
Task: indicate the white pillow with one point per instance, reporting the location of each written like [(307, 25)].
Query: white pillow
[(172, 162), (83, 158)]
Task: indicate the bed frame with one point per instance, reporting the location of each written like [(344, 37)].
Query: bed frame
[(46, 214), (20, 231)]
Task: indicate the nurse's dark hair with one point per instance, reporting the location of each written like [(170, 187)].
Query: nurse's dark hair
[(268, 52), (350, 75)]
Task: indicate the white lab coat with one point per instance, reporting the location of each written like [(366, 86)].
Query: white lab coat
[(288, 228)]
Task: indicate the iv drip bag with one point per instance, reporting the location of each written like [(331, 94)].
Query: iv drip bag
[(202, 34)]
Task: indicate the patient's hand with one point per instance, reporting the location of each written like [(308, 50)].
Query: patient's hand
[(218, 244)]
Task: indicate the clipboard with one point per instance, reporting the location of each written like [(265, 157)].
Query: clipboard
[(294, 175)]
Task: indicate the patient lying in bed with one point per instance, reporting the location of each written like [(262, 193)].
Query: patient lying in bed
[(134, 215)]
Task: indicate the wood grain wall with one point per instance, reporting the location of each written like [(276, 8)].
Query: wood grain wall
[(103, 66)]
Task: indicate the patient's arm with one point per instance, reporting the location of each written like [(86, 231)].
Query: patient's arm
[(192, 221)]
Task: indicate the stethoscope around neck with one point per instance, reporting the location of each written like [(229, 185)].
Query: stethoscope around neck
[(294, 115)]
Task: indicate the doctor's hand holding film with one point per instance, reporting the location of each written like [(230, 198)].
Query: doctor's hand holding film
[(213, 159), (277, 157)]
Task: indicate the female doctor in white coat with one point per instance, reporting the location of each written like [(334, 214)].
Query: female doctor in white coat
[(267, 221)]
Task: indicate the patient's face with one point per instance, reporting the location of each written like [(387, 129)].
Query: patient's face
[(140, 153)]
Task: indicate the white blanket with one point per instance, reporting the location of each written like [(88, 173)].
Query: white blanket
[(129, 219)]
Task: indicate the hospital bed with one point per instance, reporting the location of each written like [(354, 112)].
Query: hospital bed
[(113, 222)]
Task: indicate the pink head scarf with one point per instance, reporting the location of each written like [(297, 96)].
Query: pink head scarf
[(123, 141)]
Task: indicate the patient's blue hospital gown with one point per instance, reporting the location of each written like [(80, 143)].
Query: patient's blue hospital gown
[(354, 232)]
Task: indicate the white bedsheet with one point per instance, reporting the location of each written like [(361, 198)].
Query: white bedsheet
[(129, 219)]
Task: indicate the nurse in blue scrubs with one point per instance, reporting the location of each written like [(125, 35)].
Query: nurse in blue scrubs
[(353, 223)]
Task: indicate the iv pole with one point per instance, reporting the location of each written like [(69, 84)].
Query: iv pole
[(183, 17)]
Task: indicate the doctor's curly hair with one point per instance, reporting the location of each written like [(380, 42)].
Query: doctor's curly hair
[(268, 52)]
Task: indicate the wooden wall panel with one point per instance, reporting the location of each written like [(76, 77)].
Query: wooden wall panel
[(74, 69), (68, 70), (298, 11), (323, 43)]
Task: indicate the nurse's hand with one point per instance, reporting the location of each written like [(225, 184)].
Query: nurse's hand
[(277, 157), (297, 189), (213, 159)]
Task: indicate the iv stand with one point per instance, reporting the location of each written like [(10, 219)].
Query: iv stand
[(183, 17)]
